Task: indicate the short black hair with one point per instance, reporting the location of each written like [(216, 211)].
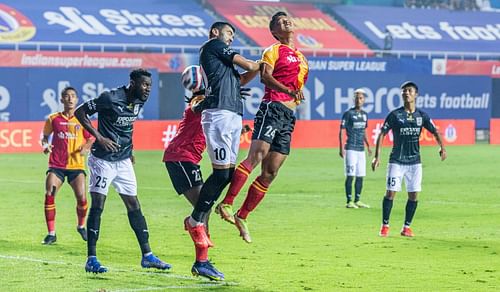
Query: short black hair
[(220, 25), (408, 84), (138, 73), (68, 88), (274, 20)]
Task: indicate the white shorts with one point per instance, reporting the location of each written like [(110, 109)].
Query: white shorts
[(222, 129), (354, 163), (118, 173), (412, 175)]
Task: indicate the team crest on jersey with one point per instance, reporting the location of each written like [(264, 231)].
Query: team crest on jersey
[(419, 121)]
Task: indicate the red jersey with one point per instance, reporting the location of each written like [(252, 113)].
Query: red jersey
[(189, 142), (290, 68), (68, 136)]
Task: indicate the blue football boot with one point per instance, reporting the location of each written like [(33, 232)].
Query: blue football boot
[(151, 261), (207, 270), (94, 266)]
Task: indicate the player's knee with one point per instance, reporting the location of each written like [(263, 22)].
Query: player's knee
[(222, 176), (268, 176)]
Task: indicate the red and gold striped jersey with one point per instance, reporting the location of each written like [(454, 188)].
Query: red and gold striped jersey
[(68, 136), (290, 68)]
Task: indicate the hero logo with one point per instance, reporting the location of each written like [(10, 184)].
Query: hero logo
[(4, 103), (128, 23)]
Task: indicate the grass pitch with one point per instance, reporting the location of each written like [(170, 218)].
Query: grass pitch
[(304, 237)]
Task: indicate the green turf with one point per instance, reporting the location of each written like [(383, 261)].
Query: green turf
[(304, 237)]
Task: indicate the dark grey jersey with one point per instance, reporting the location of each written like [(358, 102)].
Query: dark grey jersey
[(222, 80), (355, 123), (115, 121), (406, 128)]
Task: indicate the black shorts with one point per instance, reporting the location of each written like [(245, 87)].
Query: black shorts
[(62, 173), (184, 175), (274, 124)]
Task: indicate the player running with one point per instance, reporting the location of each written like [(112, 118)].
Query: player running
[(284, 73), (110, 162), (354, 122), (70, 143), (406, 124)]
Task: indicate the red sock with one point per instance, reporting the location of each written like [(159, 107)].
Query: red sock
[(256, 193), (201, 253), (240, 176), (81, 211), (50, 212)]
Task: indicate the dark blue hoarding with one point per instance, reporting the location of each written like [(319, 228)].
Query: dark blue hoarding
[(112, 21), (424, 29), (330, 92), (32, 94)]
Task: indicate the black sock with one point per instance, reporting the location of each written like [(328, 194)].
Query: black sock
[(138, 224), (411, 207), (93, 225), (358, 185), (386, 210), (348, 188), (210, 192)]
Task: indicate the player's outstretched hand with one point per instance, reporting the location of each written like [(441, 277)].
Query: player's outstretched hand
[(108, 144), (341, 152), (442, 154), (369, 151), (83, 150), (298, 95), (375, 163), (245, 129), (47, 148)]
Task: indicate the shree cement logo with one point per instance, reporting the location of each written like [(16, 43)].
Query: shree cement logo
[(14, 26)]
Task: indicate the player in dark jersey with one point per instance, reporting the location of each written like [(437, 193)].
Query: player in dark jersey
[(406, 124), (222, 123), (284, 73), (70, 143), (111, 159), (354, 122)]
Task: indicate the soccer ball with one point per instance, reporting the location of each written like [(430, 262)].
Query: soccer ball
[(192, 78)]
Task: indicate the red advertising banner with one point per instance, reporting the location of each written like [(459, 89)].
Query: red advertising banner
[(466, 67), (155, 135), (314, 30), (495, 131), (162, 62)]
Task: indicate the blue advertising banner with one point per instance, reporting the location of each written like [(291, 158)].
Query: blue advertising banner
[(13, 95), (424, 29), (329, 94), (112, 21), (33, 94)]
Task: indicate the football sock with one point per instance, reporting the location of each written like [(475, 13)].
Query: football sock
[(93, 225), (138, 224), (348, 188), (358, 185), (411, 207), (386, 210), (240, 176), (50, 213), (81, 212), (256, 193), (201, 253), (210, 192)]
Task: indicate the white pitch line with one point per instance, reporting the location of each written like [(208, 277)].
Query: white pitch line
[(198, 286), (167, 275)]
